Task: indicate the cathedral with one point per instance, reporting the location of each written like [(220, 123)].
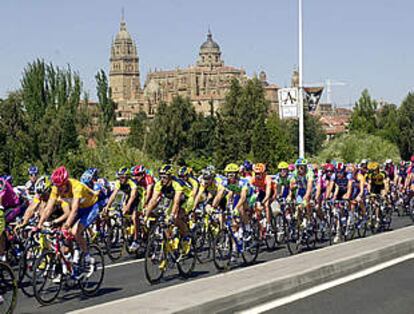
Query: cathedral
[(205, 83)]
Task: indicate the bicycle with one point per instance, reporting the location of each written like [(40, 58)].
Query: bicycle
[(8, 289), (229, 242), (53, 268), (166, 249)]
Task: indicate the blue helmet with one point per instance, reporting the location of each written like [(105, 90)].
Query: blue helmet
[(247, 165), (8, 178), (89, 175), (33, 170), (301, 162)]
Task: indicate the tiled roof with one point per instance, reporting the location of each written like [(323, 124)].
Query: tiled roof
[(121, 130)]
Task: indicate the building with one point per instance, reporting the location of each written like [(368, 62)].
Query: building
[(205, 83)]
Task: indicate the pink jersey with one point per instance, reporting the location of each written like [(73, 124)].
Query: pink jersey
[(145, 181), (9, 198)]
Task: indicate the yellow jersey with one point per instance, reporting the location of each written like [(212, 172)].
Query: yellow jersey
[(77, 190)]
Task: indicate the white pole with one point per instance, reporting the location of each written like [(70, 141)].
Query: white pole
[(301, 122)]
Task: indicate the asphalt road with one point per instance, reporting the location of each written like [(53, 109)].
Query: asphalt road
[(384, 292), (126, 278)]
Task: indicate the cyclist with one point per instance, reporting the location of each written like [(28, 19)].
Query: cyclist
[(378, 184), (237, 190), (264, 189), (176, 192), (185, 174), (10, 208), (301, 187), (33, 172), (143, 179), (131, 200), (84, 209), (209, 184), (282, 181)]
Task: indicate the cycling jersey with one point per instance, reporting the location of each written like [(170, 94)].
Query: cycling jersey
[(237, 187), (126, 187), (210, 188), (145, 181), (87, 197), (9, 197), (301, 183), (176, 185), (30, 187), (323, 182), (283, 183), (342, 184), (377, 181), (390, 171)]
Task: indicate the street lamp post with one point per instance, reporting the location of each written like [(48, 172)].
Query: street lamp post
[(300, 109)]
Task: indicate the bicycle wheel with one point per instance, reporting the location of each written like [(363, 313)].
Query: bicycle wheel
[(114, 242), (155, 257), (293, 237), (270, 236), (251, 245), (187, 258), (222, 250), (204, 246), (47, 277), (8, 289), (27, 261), (279, 230), (93, 271)]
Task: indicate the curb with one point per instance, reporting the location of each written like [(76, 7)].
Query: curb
[(247, 287)]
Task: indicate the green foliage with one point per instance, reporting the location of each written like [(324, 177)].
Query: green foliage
[(169, 131), (108, 156), (356, 146), (138, 134), (363, 117), (406, 124), (105, 102)]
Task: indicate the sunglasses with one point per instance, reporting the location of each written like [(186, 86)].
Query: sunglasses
[(164, 177), (231, 175)]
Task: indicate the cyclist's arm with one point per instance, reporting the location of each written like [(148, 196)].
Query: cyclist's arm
[(66, 212), (112, 198), (197, 198), (309, 189), (153, 202), (348, 190), (218, 197), (176, 204), (268, 191), (73, 213), (242, 200), (148, 194), (47, 211), (30, 211), (134, 194)]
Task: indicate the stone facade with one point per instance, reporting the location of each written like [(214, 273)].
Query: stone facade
[(205, 83)]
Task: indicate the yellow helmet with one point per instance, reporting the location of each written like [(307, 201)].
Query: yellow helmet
[(231, 168), (373, 166), (283, 165)]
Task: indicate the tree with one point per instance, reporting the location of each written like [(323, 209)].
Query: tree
[(387, 123), (138, 131), (406, 126), (356, 146), (169, 135), (364, 114), (106, 104)]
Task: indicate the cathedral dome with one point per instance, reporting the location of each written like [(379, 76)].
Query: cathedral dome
[(123, 34), (210, 43)]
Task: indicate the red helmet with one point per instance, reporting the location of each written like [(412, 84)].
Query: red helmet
[(291, 167), (329, 167), (60, 176), (137, 170)]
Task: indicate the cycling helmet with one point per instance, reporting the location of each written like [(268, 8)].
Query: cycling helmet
[(340, 166), (138, 170), (329, 168), (123, 171), (43, 185), (291, 167), (259, 168), (388, 161), (364, 162), (211, 168), (283, 165), (301, 162), (206, 174), (2, 184), (89, 175), (373, 166), (8, 178), (60, 176), (166, 169), (412, 158), (231, 168), (33, 170), (247, 166), (184, 171)]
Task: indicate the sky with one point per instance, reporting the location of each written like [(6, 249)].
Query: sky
[(362, 43)]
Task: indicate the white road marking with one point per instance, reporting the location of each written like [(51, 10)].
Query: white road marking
[(124, 263), (325, 286)]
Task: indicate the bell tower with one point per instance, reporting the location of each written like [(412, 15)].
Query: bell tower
[(124, 66)]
